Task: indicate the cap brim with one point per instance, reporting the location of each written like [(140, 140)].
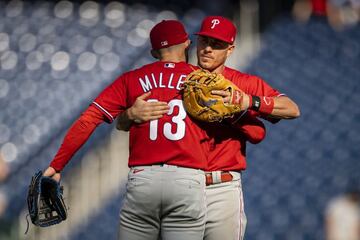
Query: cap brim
[(213, 36)]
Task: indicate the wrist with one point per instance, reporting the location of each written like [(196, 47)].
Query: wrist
[(241, 99), (51, 170), (263, 105), (247, 101), (129, 114)]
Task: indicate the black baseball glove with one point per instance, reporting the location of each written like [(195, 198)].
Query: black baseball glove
[(45, 201)]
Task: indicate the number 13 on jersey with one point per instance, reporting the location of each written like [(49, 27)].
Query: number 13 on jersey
[(177, 122)]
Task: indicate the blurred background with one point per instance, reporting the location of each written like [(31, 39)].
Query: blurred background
[(302, 181)]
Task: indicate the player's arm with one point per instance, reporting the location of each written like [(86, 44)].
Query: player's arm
[(141, 111), (279, 107), (109, 104), (76, 136), (267, 101), (249, 126)]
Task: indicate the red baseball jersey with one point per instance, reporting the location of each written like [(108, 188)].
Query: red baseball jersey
[(228, 147), (173, 139)]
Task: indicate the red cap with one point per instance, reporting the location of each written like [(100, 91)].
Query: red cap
[(319, 7), (167, 33), (219, 28)]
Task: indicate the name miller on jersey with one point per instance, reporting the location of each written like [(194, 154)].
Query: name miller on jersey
[(159, 82)]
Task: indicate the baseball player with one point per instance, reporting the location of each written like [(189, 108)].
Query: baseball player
[(225, 206), (167, 156)]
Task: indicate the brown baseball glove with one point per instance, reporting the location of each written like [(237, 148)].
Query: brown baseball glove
[(201, 104)]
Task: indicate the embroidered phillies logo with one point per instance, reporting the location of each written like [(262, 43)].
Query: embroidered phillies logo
[(214, 23)]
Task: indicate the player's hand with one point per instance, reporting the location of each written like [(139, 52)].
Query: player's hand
[(226, 96), (51, 172), (142, 110)]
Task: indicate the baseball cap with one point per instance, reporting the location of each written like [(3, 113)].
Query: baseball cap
[(167, 33), (218, 27)]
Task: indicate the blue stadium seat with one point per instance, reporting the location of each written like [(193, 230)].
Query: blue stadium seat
[(48, 81), (55, 66)]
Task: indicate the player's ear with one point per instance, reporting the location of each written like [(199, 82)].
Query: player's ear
[(187, 43), (155, 54), (230, 50)]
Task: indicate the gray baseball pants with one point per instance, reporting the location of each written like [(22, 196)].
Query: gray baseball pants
[(226, 219), (166, 200)]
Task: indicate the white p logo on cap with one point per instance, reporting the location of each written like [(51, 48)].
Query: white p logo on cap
[(214, 23)]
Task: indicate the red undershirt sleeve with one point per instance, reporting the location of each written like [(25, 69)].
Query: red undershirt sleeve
[(254, 85), (252, 128), (77, 135)]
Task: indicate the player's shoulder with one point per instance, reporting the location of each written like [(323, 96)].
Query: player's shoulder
[(143, 68), (238, 75), (128, 76), (131, 74)]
